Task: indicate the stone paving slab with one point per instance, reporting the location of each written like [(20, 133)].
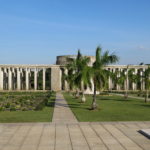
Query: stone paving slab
[(62, 112), (76, 136)]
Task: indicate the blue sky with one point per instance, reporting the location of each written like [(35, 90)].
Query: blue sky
[(36, 31)]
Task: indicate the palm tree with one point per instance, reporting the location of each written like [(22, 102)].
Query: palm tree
[(83, 78), (70, 77), (126, 75), (126, 82), (122, 78), (146, 79), (99, 74), (133, 78), (78, 74), (114, 76)]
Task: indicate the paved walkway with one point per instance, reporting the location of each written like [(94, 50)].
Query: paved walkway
[(62, 112), (77, 136), (130, 96)]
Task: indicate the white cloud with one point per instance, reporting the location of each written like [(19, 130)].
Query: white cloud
[(141, 47)]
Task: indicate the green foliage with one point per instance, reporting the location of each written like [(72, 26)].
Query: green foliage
[(7, 105), (78, 72), (24, 109), (12, 107), (99, 74), (146, 78)]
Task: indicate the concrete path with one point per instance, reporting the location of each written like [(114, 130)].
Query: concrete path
[(141, 98), (62, 112), (77, 136)]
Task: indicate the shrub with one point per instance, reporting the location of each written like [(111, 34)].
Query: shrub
[(24, 109), (12, 108), (2, 108), (39, 107), (18, 107), (7, 105), (27, 102), (24, 101)]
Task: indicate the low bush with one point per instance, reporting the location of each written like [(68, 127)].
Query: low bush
[(28, 101)]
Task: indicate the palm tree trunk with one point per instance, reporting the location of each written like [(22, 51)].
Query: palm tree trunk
[(126, 94), (126, 91), (94, 105), (146, 96), (83, 100), (77, 93)]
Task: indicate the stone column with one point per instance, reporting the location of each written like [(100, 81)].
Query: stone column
[(118, 75), (6, 76), (56, 79), (126, 83), (13, 78), (141, 74), (18, 80), (21, 76), (27, 78), (1, 79), (143, 82), (35, 79), (9, 79), (127, 80), (113, 85), (134, 85), (110, 81), (44, 70), (66, 84)]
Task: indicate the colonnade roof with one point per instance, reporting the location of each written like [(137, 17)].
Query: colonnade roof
[(61, 66), (125, 66), (29, 66)]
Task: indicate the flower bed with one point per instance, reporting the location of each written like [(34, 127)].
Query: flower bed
[(24, 102)]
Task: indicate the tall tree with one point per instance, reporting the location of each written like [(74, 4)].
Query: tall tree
[(133, 78), (99, 74), (125, 75), (115, 76), (79, 74), (146, 79), (70, 77), (83, 78)]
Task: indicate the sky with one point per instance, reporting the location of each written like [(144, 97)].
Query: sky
[(36, 31)]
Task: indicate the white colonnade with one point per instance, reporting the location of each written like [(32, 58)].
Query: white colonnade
[(26, 77), (36, 77), (138, 69)]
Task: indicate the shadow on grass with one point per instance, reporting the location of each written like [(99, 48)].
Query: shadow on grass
[(113, 99), (78, 106), (51, 101), (144, 105), (86, 107)]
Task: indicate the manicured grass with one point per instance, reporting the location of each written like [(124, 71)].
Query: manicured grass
[(111, 108), (44, 115)]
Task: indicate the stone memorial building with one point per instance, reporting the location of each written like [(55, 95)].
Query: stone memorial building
[(49, 77)]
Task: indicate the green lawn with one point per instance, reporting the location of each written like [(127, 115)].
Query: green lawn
[(43, 115), (112, 108)]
